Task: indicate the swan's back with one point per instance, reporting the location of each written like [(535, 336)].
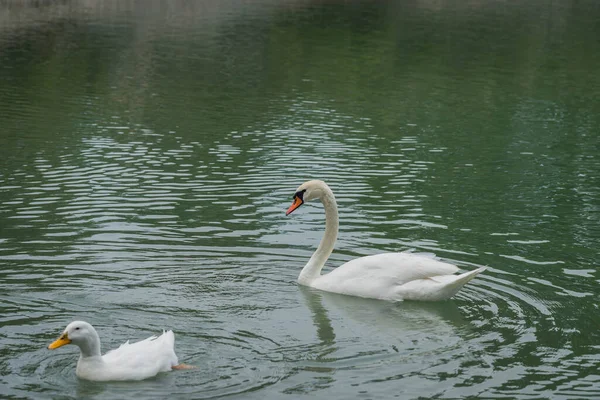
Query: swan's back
[(380, 276)]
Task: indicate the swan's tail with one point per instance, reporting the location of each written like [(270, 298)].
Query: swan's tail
[(436, 288), (453, 283), (467, 276)]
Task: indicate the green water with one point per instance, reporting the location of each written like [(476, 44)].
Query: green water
[(149, 150)]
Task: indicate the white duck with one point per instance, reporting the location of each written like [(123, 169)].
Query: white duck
[(387, 276), (135, 361)]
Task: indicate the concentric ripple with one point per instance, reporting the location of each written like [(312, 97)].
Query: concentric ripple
[(193, 237)]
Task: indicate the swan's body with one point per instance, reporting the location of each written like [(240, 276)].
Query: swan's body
[(136, 361), (387, 276)]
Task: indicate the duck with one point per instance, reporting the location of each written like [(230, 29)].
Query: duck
[(394, 276), (135, 361)]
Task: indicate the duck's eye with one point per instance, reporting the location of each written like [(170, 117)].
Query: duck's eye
[(77, 328)]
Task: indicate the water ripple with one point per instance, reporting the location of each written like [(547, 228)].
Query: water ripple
[(179, 223)]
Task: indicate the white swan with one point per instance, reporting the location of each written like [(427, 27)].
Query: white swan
[(135, 361), (387, 276)]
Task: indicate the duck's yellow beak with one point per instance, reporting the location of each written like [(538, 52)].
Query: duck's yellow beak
[(297, 203), (61, 341)]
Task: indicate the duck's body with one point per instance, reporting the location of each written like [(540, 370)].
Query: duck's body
[(387, 276), (136, 361)]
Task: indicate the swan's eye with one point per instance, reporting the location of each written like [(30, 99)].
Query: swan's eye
[(78, 328), (298, 201), (299, 194)]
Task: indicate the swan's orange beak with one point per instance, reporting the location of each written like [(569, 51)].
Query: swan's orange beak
[(297, 203), (61, 341)]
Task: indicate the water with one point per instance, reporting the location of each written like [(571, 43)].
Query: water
[(149, 150)]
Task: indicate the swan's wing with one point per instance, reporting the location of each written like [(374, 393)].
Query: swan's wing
[(378, 275), (400, 267), (144, 358)]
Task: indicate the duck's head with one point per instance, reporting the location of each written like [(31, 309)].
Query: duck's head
[(77, 333), (308, 191)]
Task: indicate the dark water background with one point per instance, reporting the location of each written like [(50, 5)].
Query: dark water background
[(148, 151)]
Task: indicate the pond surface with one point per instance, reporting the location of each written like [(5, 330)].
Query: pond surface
[(149, 150)]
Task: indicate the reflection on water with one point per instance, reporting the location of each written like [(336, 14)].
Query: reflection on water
[(148, 153)]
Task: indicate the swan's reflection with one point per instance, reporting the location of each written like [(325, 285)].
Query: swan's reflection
[(321, 320), (397, 320), (369, 340)]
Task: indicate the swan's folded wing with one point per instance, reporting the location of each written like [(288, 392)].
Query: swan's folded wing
[(398, 268)]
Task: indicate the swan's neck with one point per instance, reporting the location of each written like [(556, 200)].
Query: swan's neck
[(312, 269)]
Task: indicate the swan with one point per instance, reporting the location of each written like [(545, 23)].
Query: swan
[(136, 361), (386, 276)]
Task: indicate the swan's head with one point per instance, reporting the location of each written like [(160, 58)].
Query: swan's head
[(308, 191), (78, 333)]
